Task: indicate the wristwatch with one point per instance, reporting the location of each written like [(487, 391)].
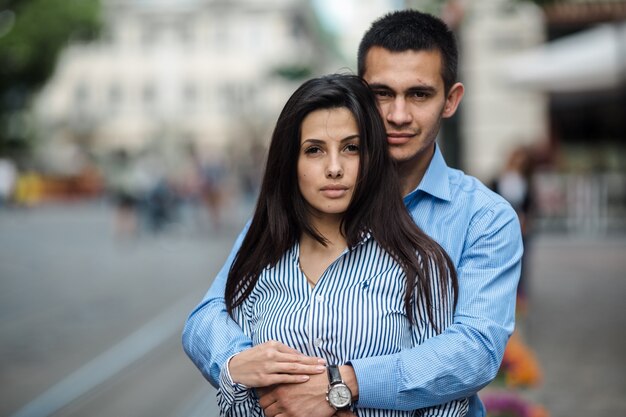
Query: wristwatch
[(338, 395)]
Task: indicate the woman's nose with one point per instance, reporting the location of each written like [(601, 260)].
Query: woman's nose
[(334, 169)]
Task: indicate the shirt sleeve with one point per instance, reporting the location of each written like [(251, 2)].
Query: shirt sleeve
[(232, 397), (466, 356), (211, 336)]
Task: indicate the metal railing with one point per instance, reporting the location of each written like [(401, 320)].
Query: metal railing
[(580, 203)]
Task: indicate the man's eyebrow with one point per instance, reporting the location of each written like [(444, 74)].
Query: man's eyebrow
[(379, 86), (422, 89), (415, 89)]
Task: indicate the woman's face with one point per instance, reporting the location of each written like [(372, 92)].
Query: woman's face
[(328, 161)]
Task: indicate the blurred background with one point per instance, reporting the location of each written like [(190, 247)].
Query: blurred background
[(132, 141)]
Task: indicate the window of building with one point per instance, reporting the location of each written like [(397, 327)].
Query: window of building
[(115, 97), (149, 97)]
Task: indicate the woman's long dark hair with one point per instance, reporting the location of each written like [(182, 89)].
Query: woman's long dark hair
[(282, 215)]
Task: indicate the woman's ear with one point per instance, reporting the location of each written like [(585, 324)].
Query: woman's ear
[(453, 99)]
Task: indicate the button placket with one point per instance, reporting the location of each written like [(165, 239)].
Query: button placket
[(315, 324)]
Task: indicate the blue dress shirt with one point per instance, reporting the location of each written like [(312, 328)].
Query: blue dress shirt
[(481, 233)]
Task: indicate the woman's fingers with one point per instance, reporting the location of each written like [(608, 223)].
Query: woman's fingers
[(292, 355), (272, 363)]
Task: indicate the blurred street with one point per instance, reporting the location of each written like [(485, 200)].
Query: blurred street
[(82, 310), (90, 324)]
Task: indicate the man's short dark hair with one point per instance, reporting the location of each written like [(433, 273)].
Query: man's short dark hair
[(405, 30)]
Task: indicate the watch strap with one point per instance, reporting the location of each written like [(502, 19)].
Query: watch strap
[(334, 376)]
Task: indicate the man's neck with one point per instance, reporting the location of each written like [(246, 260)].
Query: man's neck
[(411, 172)]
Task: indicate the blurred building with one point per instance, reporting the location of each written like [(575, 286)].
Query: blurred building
[(581, 70), (169, 74), (214, 74), (495, 118)]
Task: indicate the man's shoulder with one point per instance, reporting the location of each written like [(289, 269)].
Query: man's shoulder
[(473, 194)]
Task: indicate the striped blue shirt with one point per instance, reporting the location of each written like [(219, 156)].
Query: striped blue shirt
[(481, 233), (356, 310)]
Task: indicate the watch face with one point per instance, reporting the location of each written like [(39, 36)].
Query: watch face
[(339, 396)]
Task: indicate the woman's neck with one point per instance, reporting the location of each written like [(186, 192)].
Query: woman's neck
[(315, 257), (330, 228)]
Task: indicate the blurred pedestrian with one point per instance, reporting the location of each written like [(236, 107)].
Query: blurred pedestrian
[(128, 185), (160, 205), (29, 189), (212, 176), (515, 184), (8, 176)]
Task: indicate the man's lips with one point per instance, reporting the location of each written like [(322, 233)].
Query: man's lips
[(399, 138)]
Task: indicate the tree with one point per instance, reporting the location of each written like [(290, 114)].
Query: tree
[(32, 34)]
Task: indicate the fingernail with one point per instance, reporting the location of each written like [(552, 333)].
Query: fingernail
[(321, 361), (320, 368), (304, 377)]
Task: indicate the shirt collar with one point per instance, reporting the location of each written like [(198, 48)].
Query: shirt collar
[(435, 180), (364, 237)]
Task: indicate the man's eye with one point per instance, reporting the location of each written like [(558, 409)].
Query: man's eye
[(420, 95), (382, 93)]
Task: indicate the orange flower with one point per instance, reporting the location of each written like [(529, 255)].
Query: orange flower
[(539, 411), (521, 368)]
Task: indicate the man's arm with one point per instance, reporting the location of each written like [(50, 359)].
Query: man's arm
[(211, 336), (466, 356)]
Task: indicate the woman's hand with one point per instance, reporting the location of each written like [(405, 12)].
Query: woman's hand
[(273, 363)]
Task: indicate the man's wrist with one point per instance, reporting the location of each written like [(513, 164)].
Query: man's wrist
[(349, 378)]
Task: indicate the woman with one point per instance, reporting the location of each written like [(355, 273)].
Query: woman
[(332, 264)]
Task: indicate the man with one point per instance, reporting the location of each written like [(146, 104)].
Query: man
[(410, 61)]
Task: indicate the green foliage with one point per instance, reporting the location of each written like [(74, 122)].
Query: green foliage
[(40, 29), (32, 34), (293, 72)]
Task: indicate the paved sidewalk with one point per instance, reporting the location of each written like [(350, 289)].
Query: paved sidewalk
[(576, 324)]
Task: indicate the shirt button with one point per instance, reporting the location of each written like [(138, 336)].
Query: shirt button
[(319, 298), (318, 342)]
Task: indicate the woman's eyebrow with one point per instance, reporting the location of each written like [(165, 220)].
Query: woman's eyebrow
[(320, 141)]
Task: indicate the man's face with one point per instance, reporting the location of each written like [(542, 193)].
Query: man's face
[(411, 99)]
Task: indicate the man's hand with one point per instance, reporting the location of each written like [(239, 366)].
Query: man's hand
[(297, 400), (306, 399), (273, 363)]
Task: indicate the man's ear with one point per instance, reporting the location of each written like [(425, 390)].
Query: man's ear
[(452, 101)]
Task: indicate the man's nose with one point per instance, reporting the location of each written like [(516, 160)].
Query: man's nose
[(397, 113)]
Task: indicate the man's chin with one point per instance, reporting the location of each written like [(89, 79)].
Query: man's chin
[(402, 155)]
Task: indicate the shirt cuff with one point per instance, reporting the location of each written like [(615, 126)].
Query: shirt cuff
[(232, 392), (369, 372)]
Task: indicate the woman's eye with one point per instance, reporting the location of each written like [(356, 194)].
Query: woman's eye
[(352, 147), (312, 150)]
